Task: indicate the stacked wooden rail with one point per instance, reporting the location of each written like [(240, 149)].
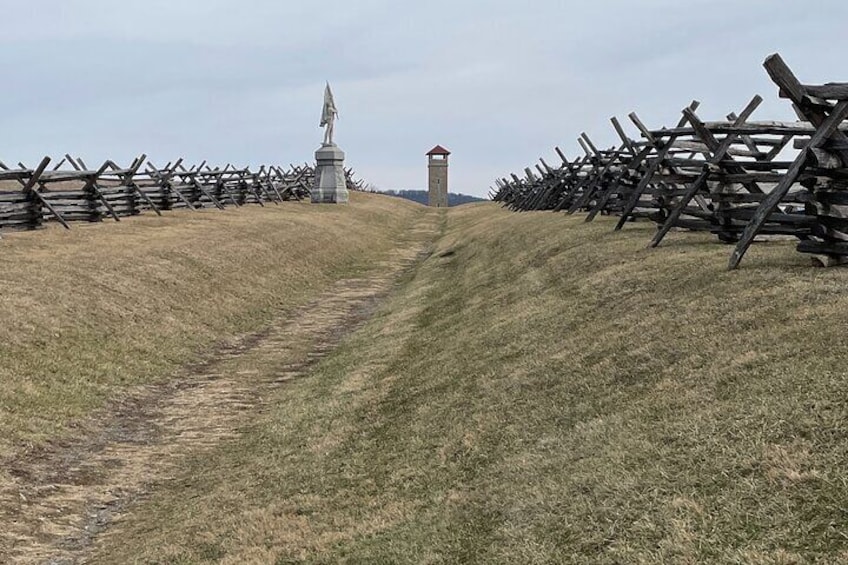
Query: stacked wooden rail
[(72, 192), (730, 177)]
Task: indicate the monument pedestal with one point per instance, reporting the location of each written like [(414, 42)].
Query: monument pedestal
[(330, 182)]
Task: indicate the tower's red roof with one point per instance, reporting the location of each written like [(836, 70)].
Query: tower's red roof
[(438, 150)]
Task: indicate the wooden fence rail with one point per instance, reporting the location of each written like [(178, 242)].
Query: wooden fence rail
[(71, 192), (730, 177)]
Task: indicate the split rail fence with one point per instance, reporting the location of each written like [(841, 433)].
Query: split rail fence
[(71, 192), (727, 177)]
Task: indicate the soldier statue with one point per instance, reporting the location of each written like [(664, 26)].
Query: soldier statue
[(328, 115)]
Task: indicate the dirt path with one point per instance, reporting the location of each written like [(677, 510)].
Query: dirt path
[(63, 497)]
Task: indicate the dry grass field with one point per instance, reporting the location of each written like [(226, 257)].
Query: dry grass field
[(88, 312), (537, 390)]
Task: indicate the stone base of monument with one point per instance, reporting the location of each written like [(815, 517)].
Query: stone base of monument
[(330, 182)]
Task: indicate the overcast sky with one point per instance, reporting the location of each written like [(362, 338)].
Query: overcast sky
[(497, 82)]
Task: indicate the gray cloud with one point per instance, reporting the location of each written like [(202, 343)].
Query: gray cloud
[(497, 83)]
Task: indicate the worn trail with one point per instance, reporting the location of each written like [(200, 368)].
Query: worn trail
[(62, 497)]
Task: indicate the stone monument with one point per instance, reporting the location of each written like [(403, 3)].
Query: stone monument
[(330, 182)]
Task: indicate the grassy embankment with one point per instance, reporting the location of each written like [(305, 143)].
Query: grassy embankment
[(88, 313), (545, 391), (539, 391)]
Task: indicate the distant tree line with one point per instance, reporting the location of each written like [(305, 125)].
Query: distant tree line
[(421, 196)]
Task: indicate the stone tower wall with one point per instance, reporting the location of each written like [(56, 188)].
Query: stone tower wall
[(438, 185)]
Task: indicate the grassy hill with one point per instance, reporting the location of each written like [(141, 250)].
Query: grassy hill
[(538, 390), (422, 196), (89, 312)]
